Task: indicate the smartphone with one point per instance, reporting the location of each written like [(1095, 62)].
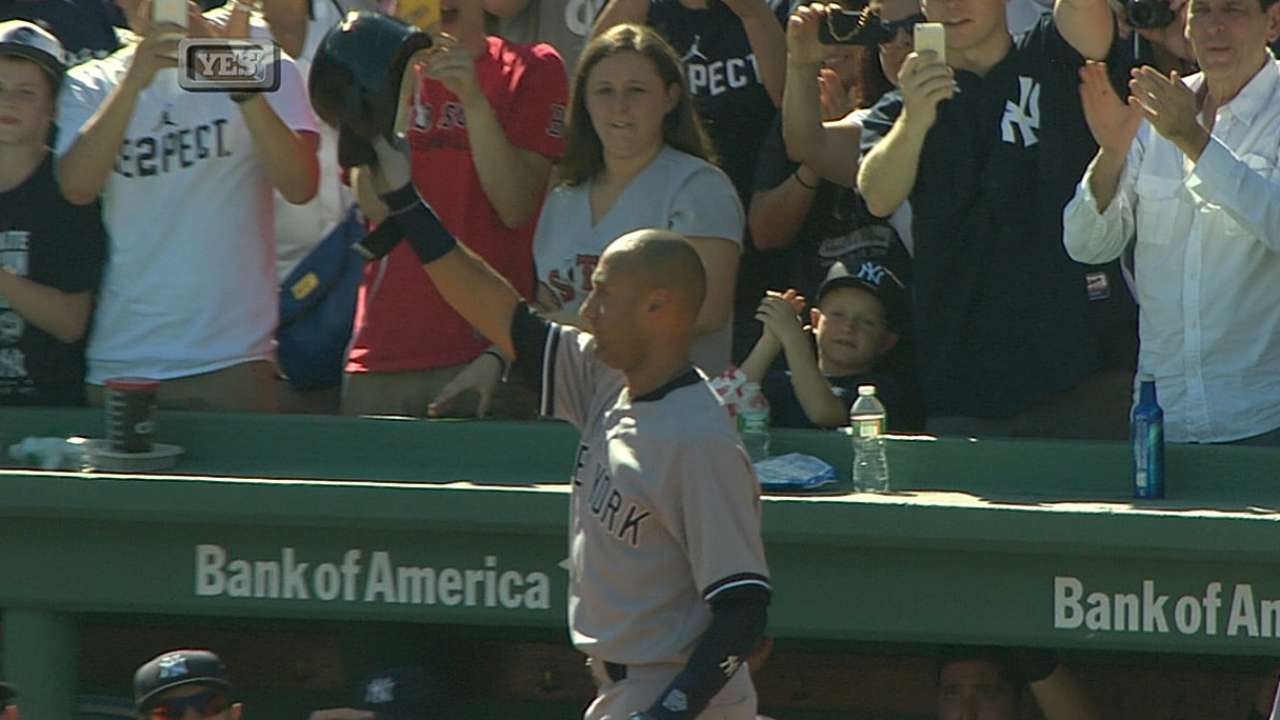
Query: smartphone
[(931, 36), (172, 12), (423, 13)]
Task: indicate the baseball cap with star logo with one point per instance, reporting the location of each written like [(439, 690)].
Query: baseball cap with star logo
[(175, 668)]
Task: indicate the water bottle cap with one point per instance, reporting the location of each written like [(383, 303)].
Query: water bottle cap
[(864, 390)]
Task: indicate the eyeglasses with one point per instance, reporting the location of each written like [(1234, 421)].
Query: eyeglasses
[(205, 704), (891, 27)]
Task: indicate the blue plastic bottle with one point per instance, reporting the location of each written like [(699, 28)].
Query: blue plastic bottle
[(1146, 428)]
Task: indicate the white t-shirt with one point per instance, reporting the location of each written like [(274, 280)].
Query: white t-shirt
[(190, 284), (676, 191)]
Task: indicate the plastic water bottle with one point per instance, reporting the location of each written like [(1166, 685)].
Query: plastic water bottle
[(1146, 427), (753, 422), (867, 419)]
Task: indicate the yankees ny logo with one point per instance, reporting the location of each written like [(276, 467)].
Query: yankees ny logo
[(1026, 114), (380, 690)]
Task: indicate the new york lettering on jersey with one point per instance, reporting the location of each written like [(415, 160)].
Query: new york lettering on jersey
[(619, 513)]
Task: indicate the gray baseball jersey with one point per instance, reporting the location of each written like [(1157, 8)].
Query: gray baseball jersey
[(665, 507)]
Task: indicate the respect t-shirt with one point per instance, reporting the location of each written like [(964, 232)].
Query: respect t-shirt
[(47, 240), (190, 284)]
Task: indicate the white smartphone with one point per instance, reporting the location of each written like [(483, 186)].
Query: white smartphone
[(172, 12), (931, 36)]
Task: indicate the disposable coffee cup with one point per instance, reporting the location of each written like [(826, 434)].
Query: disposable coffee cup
[(131, 405)]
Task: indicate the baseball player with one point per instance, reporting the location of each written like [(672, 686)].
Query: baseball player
[(8, 702), (668, 583), (184, 685)]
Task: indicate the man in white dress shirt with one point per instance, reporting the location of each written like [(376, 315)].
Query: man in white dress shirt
[(1191, 165)]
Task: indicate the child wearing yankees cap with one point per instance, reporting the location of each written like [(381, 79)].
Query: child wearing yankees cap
[(854, 323)]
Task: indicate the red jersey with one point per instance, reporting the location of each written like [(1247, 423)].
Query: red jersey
[(402, 322)]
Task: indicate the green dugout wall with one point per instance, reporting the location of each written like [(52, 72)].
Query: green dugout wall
[(336, 521)]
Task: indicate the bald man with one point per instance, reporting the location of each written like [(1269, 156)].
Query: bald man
[(668, 586)]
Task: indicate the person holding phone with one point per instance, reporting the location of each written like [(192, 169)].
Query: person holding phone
[(1013, 337), (186, 180), (51, 250), (486, 121)]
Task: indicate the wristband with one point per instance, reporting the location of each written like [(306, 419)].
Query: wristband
[(402, 199), (803, 184), (378, 243), (424, 232)]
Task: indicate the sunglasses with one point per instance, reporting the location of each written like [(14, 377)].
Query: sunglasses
[(205, 704), (891, 27)]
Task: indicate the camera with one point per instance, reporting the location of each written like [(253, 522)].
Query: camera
[(1148, 14), (849, 27)]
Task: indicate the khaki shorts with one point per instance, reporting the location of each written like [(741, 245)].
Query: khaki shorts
[(408, 393), (247, 387), (644, 683)]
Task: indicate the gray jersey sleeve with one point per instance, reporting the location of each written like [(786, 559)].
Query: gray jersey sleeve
[(570, 375), (717, 515)]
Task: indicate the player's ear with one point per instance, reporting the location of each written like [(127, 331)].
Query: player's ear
[(657, 299)]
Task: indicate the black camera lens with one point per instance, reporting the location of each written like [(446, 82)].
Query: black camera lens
[(1149, 14)]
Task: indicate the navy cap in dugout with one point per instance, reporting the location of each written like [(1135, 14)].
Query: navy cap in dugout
[(176, 668)]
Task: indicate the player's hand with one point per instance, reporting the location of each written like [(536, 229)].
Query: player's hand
[(393, 169), (925, 81), (1168, 104), (480, 376), (450, 63), (1112, 122), (802, 35), (780, 318)]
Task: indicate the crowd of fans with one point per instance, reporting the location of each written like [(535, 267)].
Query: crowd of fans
[(1000, 241)]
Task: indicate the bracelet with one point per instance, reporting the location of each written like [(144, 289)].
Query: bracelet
[(502, 362), (803, 184)]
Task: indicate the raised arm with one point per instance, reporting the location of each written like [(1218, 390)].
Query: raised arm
[(1087, 25), (288, 21), (84, 167), (514, 179), (768, 42), (888, 171), (471, 287)]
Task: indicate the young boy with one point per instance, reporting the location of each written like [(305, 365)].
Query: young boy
[(854, 321), (51, 251)]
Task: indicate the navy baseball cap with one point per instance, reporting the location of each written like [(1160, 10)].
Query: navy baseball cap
[(176, 668), (875, 278), (7, 693), (405, 693)]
